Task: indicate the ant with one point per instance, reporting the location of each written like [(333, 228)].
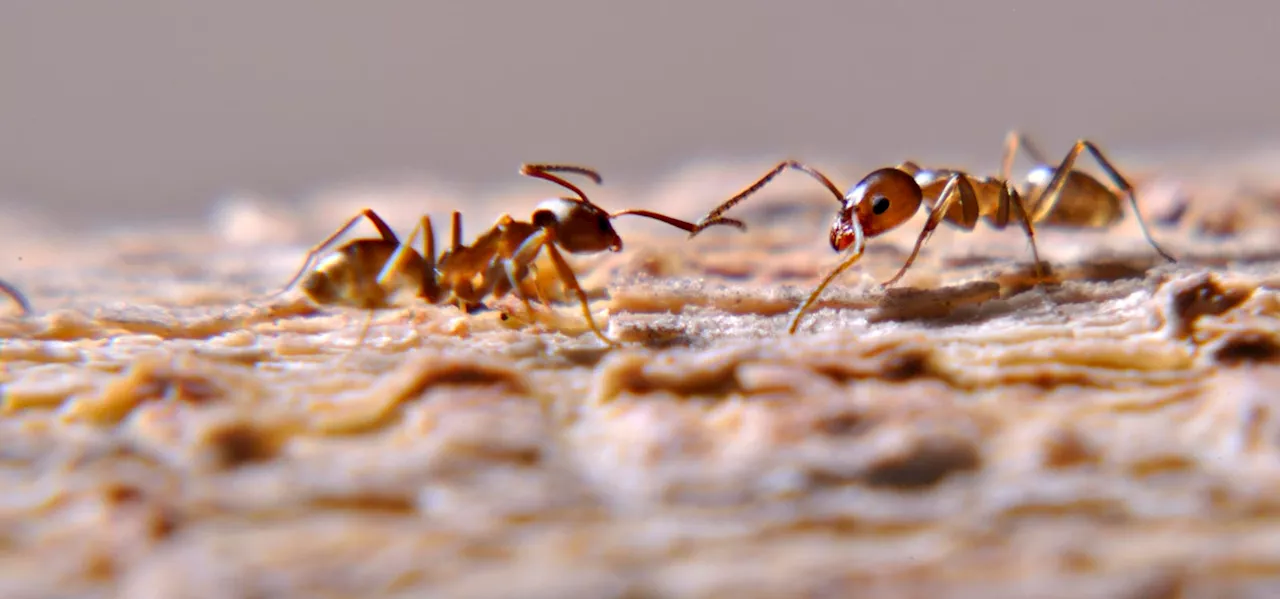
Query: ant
[(15, 295), (366, 273), (888, 197)]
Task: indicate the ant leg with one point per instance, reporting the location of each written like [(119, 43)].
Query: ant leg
[(364, 333), (566, 274), (1052, 191), (707, 220), (529, 249), (1015, 199), (1014, 141), (383, 230), (858, 246), (537, 286), (430, 289), (455, 231), (956, 190), (16, 296), (1011, 201), (511, 268), (909, 167)]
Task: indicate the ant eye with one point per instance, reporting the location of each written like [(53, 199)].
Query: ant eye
[(603, 222), (880, 205)]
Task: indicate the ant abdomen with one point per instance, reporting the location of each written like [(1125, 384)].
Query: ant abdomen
[(348, 277), (1083, 201)]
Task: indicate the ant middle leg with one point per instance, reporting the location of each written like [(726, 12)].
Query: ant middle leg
[(429, 287), (1028, 225), (528, 251), (383, 230)]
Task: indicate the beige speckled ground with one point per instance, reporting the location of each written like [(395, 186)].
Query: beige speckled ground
[(170, 431)]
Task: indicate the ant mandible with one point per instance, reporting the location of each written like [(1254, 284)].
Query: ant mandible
[(18, 298), (886, 198), (366, 273)]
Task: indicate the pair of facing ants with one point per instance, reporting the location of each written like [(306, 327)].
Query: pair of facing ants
[(365, 273)]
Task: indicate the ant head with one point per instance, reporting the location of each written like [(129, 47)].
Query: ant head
[(879, 202), (580, 228)]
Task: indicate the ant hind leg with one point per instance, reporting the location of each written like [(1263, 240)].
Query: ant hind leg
[(1052, 192), (383, 230)]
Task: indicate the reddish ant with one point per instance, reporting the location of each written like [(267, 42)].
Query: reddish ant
[(8, 289), (366, 273), (888, 197)]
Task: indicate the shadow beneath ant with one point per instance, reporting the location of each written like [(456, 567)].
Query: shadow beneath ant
[(1101, 269), (969, 303), (982, 300)]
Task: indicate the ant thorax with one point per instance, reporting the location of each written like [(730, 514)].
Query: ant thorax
[(927, 177)]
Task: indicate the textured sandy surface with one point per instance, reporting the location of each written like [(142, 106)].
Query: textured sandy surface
[(171, 431)]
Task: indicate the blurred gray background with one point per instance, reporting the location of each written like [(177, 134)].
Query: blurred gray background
[(130, 109)]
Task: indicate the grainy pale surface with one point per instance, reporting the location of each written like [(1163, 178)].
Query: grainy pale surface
[(171, 431)]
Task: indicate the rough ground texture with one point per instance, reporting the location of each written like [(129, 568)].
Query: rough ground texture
[(170, 430)]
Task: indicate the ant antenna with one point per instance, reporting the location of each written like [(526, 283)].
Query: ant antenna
[(777, 170), (545, 172), (687, 227)]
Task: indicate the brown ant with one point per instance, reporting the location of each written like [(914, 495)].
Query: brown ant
[(15, 295), (888, 197), (366, 273)]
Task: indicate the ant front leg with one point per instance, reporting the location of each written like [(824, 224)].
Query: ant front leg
[(383, 230), (546, 238), (18, 298), (504, 275), (1052, 191), (957, 190)]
